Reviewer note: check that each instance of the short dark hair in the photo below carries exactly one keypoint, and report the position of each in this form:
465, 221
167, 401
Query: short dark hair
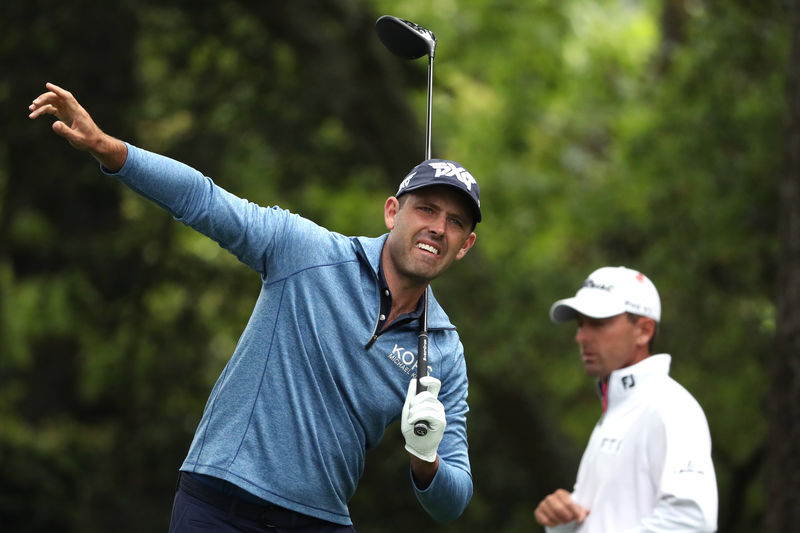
633, 317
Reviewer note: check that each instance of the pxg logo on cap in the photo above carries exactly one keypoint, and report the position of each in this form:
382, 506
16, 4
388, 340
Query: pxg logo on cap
444, 172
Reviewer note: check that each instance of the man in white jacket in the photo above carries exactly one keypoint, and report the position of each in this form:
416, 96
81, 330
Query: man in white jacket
648, 464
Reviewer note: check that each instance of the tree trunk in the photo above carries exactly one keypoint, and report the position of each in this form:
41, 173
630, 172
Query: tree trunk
783, 463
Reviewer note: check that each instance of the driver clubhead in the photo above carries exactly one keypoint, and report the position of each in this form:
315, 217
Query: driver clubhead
404, 38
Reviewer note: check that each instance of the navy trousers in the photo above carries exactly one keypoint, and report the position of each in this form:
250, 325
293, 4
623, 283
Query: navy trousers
200, 509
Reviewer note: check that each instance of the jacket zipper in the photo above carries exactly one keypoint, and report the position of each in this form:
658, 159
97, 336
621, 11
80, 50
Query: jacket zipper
375, 333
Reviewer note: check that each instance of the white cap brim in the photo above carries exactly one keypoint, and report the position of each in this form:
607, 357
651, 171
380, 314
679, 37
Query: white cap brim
591, 303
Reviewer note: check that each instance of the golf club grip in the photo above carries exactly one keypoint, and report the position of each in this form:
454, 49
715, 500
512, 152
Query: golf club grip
421, 427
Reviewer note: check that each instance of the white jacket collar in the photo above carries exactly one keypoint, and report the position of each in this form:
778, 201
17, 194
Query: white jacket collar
627, 382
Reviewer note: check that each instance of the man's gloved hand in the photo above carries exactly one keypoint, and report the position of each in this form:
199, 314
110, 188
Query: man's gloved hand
423, 406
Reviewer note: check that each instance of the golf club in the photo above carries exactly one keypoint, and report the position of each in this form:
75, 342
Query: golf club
411, 41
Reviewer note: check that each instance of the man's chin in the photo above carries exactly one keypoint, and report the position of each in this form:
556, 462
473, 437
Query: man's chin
592, 370
426, 272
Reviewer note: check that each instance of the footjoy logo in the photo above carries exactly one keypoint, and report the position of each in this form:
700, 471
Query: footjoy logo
406, 360
449, 169
628, 382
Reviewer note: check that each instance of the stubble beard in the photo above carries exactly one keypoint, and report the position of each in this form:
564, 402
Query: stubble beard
414, 269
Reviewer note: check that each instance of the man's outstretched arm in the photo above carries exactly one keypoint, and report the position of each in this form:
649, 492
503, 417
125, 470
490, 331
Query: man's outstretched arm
77, 127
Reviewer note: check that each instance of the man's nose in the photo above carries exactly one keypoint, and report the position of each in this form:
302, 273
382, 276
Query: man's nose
437, 225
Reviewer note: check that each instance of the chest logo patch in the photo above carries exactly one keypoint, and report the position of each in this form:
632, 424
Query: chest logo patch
406, 360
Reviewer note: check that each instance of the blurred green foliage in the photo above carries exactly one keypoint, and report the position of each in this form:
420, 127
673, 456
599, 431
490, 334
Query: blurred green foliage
648, 134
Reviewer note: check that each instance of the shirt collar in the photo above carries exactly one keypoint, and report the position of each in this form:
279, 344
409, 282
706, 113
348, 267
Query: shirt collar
626, 382
370, 248
386, 300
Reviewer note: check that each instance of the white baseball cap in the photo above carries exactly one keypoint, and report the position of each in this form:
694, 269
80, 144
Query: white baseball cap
610, 291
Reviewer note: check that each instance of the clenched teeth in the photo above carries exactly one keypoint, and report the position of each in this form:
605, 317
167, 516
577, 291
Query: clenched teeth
427, 248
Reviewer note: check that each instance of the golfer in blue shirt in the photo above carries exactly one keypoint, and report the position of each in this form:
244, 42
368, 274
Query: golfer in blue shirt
328, 358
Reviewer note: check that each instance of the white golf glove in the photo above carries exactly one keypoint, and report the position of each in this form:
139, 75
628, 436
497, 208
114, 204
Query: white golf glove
424, 406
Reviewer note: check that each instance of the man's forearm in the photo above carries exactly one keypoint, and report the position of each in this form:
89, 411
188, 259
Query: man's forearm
423, 471
111, 153
448, 494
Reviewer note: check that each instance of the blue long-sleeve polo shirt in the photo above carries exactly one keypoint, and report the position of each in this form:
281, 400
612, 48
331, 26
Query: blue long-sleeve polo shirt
308, 390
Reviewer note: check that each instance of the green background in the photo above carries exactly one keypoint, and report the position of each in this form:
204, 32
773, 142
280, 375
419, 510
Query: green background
645, 133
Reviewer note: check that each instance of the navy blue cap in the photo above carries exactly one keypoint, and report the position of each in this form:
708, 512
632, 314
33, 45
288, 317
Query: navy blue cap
444, 172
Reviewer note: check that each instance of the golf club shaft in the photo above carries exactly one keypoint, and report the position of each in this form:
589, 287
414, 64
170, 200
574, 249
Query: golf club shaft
430, 108
421, 427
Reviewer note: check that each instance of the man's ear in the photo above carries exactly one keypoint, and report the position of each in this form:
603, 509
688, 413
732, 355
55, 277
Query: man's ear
647, 328
390, 209
466, 246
